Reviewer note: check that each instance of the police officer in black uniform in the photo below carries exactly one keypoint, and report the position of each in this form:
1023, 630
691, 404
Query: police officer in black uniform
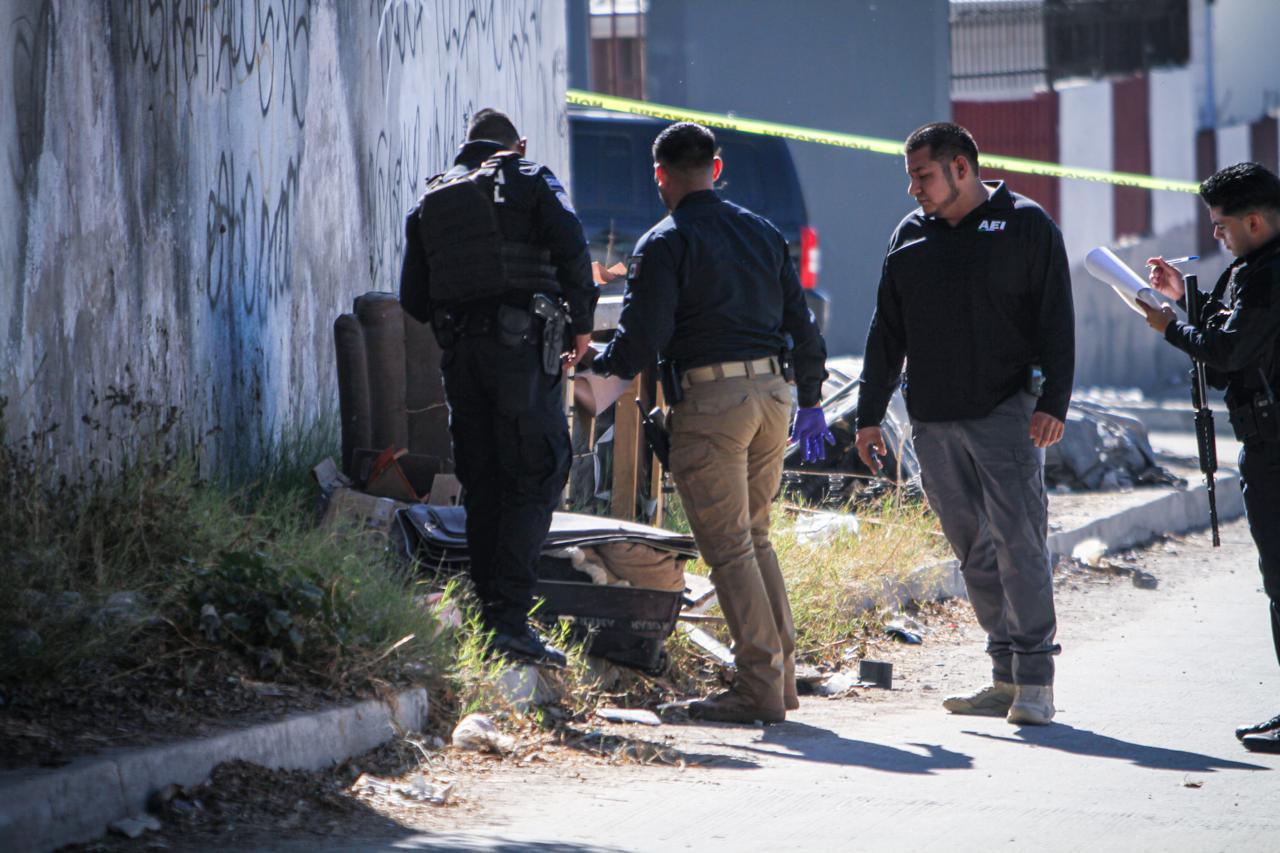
496, 261
1235, 336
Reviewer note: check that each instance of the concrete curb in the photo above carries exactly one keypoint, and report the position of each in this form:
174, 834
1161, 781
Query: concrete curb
1172, 513
45, 809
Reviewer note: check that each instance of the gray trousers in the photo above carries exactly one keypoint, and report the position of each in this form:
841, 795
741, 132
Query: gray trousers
985, 481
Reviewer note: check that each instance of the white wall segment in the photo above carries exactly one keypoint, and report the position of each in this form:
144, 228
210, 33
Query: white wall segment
1233, 146
1173, 155
1085, 133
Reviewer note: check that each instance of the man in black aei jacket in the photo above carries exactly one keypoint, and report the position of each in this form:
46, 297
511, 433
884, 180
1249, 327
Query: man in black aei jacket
975, 295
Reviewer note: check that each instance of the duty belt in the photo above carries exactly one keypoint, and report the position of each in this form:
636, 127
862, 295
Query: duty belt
730, 370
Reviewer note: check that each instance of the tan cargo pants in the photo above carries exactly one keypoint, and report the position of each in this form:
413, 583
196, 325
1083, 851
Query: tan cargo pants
727, 442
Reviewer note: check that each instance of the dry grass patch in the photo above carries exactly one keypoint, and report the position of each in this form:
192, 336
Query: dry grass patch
833, 574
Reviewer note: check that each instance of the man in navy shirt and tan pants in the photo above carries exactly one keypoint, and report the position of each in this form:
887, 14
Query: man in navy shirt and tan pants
975, 296
712, 289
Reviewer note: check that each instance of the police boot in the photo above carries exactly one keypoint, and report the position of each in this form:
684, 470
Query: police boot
527, 646
732, 706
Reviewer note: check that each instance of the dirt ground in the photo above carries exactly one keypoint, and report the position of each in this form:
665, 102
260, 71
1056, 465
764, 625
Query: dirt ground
159, 688
243, 805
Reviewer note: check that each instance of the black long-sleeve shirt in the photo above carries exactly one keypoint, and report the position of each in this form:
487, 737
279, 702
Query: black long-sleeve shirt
1246, 340
535, 209
713, 282
970, 308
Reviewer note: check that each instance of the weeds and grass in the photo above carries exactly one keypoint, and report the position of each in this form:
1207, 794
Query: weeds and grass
140, 560
831, 577
100, 562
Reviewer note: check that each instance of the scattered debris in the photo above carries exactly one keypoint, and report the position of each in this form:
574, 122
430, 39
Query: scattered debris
1103, 449
349, 510
416, 787
717, 650
816, 528
875, 673
836, 684
1089, 552
629, 715
120, 608
134, 827
478, 733
904, 629
526, 686
210, 622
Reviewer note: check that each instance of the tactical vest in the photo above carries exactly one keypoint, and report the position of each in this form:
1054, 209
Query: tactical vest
466, 253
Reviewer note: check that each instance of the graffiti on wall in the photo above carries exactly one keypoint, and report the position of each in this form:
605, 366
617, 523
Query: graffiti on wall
229, 204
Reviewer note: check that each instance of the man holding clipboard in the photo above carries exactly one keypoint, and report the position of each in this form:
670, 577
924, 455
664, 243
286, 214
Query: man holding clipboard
1235, 337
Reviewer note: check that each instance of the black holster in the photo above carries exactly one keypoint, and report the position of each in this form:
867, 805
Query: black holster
1255, 420
444, 324
554, 319
655, 433
669, 376
787, 365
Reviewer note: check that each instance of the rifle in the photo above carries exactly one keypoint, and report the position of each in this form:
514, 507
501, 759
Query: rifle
1206, 442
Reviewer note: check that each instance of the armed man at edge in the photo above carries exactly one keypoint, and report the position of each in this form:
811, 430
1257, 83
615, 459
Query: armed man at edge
1235, 337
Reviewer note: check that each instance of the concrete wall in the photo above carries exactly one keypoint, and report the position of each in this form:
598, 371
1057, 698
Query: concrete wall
859, 66
191, 191
1085, 139
1173, 153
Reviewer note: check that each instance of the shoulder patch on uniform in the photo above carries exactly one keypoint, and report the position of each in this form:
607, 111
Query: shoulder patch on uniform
633, 267
558, 188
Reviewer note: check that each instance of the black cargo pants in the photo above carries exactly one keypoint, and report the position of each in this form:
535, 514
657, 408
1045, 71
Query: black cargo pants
1260, 475
511, 453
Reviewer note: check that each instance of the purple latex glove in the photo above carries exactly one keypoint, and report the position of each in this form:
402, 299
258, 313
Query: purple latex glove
811, 433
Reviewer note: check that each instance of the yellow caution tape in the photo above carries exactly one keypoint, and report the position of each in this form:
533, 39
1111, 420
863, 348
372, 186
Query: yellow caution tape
864, 143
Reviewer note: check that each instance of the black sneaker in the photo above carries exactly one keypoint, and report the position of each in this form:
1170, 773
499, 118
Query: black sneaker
1270, 725
1264, 742
527, 646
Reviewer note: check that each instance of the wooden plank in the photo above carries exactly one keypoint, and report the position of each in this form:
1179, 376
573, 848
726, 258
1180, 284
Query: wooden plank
626, 454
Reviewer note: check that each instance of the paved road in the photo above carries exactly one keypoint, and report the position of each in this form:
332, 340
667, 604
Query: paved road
1142, 755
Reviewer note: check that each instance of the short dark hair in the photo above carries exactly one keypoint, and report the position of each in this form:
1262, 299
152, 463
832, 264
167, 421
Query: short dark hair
1242, 188
685, 146
945, 141
493, 124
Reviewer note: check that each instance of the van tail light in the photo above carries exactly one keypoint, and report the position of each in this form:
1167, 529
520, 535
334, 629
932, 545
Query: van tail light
810, 257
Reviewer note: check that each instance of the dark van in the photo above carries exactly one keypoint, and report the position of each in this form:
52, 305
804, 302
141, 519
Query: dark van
618, 202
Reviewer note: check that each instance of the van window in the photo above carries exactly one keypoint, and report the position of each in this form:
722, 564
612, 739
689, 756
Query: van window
759, 176
604, 173
742, 181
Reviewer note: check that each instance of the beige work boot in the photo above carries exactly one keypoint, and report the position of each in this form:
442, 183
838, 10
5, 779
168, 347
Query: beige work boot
991, 701
730, 706
1032, 705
